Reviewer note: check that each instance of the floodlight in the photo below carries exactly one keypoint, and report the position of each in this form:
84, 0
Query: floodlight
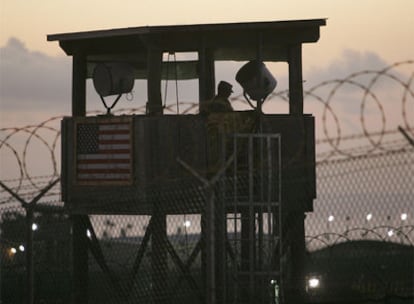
21, 248
331, 218
257, 82
13, 250
404, 216
369, 216
313, 282
187, 223
34, 227
113, 78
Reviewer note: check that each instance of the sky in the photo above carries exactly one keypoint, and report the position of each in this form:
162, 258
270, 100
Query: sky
35, 74
367, 25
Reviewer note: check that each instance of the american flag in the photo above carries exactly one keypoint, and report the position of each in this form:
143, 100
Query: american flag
103, 152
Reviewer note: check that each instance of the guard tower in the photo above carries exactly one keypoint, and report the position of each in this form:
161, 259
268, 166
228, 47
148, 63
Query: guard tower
250, 176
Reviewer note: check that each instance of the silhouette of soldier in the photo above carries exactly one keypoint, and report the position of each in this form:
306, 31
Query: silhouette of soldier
220, 103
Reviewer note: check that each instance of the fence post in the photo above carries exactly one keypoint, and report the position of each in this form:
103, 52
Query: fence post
29, 256
407, 137
80, 260
29, 207
210, 226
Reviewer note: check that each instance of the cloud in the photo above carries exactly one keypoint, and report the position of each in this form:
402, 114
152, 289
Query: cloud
349, 62
365, 93
33, 81
356, 77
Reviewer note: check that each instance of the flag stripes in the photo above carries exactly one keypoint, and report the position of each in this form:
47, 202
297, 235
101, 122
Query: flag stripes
104, 152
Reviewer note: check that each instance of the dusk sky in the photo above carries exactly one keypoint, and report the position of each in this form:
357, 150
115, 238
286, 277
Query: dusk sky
35, 74
380, 26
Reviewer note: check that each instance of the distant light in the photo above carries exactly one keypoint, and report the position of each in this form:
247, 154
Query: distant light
331, 218
187, 223
21, 248
404, 216
34, 227
369, 216
88, 233
13, 250
390, 233
314, 282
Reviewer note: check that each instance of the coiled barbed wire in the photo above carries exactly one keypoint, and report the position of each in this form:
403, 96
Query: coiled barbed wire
364, 142
367, 91
397, 234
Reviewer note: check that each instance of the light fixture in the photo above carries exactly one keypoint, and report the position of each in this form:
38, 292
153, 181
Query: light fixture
21, 248
331, 218
13, 250
187, 223
369, 216
34, 227
404, 216
88, 233
275, 286
113, 78
390, 233
313, 282
257, 82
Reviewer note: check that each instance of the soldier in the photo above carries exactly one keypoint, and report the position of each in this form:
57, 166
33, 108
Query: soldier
220, 103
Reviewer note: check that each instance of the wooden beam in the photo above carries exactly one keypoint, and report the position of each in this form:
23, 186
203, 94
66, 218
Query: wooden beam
159, 261
154, 105
206, 74
79, 237
295, 284
80, 260
79, 85
295, 79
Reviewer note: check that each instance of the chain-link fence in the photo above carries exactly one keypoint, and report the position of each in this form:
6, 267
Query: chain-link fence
360, 236
359, 242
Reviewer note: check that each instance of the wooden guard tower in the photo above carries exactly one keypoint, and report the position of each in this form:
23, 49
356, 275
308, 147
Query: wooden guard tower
255, 172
